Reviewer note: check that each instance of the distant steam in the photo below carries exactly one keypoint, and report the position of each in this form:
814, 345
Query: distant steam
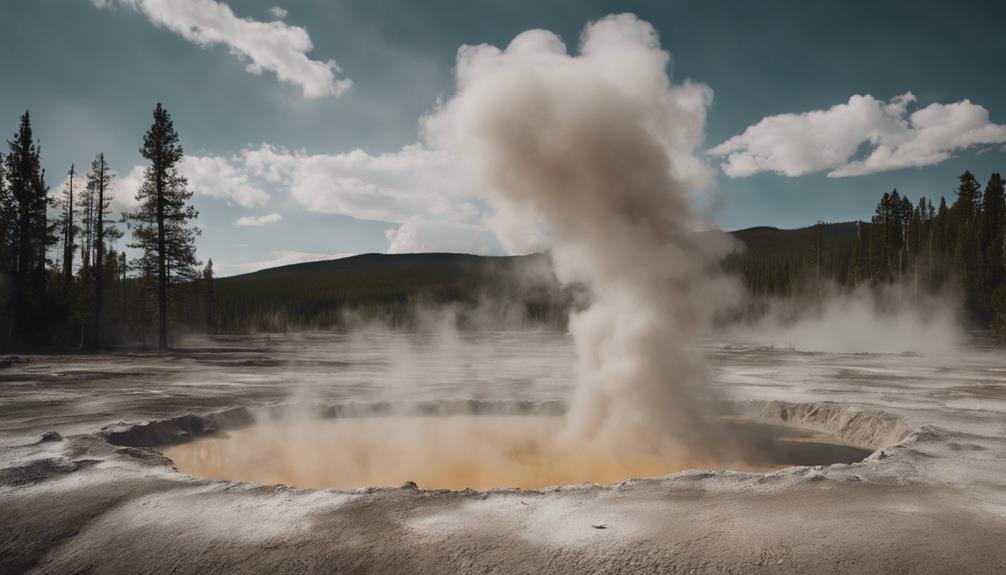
870, 319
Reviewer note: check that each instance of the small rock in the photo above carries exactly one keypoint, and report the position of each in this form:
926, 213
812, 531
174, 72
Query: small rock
410, 485
50, 436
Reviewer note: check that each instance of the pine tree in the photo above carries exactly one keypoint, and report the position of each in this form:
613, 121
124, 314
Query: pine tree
99, 181
31, 231
7, 219
967, 247
8, 213
162, 233
69, 229
209, 305
993, 235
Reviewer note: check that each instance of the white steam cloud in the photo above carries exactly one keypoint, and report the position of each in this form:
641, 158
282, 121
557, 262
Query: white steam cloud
869, 319
599, 146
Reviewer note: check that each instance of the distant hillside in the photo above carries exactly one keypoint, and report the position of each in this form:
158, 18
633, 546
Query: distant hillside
776, 262
766, 240
330, 293
388, 288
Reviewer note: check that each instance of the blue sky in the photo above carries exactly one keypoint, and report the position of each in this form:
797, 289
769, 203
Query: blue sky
302, 116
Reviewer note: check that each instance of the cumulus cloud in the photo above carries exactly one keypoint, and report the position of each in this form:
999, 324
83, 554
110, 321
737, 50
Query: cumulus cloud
393, 187
257, 221
266, 46
216, 177
211, 176
278, 12
799, 144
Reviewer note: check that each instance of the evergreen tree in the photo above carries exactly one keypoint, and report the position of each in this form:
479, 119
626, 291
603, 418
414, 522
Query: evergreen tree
8, 214
7, 220
99, 180
967, 247
162, 232
993, 235
69, 229
31, 231
209, 304
969, 196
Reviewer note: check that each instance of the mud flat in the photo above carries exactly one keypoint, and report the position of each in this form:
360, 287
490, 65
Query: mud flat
101, 497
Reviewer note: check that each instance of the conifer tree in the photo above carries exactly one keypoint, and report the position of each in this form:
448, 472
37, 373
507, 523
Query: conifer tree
31, 230
7, 219
99, 181
162, 232
967, 247
209, 305
69, 229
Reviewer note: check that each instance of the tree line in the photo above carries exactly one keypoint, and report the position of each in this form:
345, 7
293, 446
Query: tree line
922, 248
63, 279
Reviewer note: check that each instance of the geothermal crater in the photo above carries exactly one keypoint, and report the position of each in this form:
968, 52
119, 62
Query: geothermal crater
464, 450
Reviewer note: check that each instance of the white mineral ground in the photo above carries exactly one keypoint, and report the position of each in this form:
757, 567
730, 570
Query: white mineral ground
931, 499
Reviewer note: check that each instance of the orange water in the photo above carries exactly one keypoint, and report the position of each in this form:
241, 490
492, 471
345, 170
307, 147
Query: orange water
452, 452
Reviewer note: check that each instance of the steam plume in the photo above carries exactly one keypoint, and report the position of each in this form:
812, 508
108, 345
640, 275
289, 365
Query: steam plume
598, 147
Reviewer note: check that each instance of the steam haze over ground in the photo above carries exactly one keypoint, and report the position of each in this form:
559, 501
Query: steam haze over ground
866, 320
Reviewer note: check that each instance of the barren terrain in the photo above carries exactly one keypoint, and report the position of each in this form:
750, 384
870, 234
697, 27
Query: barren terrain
100, 498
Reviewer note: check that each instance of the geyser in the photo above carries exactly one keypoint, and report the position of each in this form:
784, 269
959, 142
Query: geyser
597, 149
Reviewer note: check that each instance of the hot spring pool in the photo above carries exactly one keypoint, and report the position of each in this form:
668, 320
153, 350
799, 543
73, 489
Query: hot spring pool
468, 451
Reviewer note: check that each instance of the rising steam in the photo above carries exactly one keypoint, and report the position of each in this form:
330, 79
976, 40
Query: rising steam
596, 148
593, 154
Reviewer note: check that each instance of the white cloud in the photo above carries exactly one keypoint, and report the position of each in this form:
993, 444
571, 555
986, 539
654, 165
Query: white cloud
124, 188
216, 177
211, 176
799, 144
267, 46
256, 221
278, 12
393, 187
276, 259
